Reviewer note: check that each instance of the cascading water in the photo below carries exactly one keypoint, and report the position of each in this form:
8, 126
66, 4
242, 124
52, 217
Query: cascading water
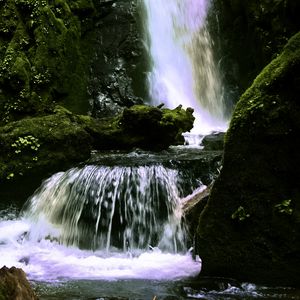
104, 222
183, 69
111, 208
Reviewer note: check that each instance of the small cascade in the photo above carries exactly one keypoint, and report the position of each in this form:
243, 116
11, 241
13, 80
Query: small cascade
183, 69
100, 207
102, 222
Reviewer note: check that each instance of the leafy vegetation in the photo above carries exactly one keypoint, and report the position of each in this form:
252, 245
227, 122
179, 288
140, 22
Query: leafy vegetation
240, 214
284, 207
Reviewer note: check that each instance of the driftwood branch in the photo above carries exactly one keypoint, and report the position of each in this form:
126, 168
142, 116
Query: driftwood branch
196, 197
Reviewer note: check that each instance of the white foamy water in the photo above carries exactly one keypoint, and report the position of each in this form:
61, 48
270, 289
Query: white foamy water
183, 69
101, 223
48, 261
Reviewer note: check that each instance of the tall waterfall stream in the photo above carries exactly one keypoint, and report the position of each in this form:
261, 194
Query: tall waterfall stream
183, 70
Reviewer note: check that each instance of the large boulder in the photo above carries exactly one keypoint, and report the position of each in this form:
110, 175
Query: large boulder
14, 285
250, 228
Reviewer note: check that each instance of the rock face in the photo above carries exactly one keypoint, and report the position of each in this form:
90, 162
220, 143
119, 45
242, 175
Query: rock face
248, 35
65, 52
14, 285
250, 229
41, 56
117, 69
214, 141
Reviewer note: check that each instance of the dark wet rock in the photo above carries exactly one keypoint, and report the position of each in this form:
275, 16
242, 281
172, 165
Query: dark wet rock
205, 284
117, 71
214, 141
247, 36
14, 285
250, 228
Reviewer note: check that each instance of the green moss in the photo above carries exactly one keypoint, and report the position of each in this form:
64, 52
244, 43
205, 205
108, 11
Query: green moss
263, 97
240, 214
42, 60
61, 139
42, 143
83, 6
284, 207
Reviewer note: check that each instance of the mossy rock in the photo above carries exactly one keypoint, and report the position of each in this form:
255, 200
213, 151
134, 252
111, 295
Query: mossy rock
250, 228
43, 57
42, 143
57, 141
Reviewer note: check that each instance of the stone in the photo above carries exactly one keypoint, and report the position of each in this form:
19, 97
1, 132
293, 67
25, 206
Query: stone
214, 141
14, 285
250, 228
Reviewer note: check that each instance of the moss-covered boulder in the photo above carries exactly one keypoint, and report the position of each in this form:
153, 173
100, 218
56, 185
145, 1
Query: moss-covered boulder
14, 285
42, 143
250, 228
59, 140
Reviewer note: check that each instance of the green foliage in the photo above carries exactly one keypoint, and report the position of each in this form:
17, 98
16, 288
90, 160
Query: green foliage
26, 142
10, 176
284, 207
240, 214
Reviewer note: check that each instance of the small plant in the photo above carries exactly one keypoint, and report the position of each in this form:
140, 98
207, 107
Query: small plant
10, 176
240, 214
284, 207
26, 142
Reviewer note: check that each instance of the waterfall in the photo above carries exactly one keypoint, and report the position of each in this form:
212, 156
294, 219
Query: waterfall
183, 69
99, 207
102, 222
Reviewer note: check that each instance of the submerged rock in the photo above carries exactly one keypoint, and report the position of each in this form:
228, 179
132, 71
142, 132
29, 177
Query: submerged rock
14, 285
250, 228
214, 141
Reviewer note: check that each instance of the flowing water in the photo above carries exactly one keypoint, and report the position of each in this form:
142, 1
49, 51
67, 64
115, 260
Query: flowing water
101, 222
183, 70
